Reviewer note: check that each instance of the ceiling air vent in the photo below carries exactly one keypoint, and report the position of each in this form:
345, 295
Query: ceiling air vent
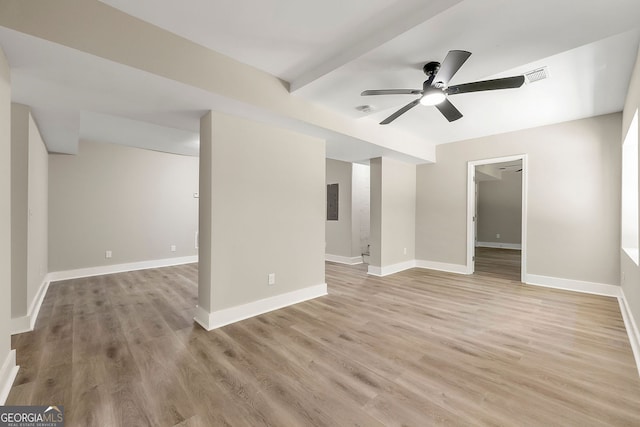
537, 74
364, 108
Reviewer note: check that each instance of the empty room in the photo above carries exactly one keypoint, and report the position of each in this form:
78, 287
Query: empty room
286, 213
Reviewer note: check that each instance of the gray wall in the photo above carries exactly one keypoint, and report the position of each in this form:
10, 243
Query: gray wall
500, 209
5, 213
569, 235
349, 236
338, 234
393, 212
29, 205
265, 190
134, 202
629, 270
375, 235
38, 201
360, 208
19, 207
398, 211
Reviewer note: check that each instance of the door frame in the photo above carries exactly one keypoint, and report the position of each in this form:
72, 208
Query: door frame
471, 203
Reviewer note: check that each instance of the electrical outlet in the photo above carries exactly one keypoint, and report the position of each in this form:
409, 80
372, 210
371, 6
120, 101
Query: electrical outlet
272, 278
405, 251
108, 254
173, 248
498, 236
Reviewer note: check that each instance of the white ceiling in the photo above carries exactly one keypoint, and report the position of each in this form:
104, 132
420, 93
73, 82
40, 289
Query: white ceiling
494, 171
329, 52
287, 38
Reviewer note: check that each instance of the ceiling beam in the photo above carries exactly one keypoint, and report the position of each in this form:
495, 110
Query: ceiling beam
97, 29
390, 23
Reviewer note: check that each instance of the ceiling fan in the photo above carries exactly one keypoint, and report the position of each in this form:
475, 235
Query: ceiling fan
435, 89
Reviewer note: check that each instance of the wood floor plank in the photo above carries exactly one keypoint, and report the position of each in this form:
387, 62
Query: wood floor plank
412, 349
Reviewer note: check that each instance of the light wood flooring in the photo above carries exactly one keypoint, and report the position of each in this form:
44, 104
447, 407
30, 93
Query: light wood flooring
417, 348
498, 263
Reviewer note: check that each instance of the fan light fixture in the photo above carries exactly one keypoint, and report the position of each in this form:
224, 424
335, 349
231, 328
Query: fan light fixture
433, 97
436, 90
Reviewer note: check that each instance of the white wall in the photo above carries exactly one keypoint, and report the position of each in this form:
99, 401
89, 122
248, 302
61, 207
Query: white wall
133, 202
338, 234
573, 198
360, 208
375, 231
629, 270
500, 209
29, 193
347, 238
393, 214
38, 201
398, 211
19, 208
7, 356
263, 211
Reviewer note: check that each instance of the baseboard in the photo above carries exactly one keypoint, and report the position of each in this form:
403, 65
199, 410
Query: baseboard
573, 285
201, 317
119, 268
498, 245
217, 319
20, 325
631, 326
391, 269
26, 323
8, 373
343, 259
374, 271
443, 266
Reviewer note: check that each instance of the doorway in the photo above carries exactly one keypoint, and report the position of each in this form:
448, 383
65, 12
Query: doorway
496, 217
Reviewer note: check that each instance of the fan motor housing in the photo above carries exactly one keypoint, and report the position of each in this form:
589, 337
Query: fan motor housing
431, 68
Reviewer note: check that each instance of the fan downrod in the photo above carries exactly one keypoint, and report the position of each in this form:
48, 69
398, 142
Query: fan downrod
435, 92
431, 68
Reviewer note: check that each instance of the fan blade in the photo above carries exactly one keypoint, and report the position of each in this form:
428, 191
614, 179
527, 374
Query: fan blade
505, 83
448, 110
400, 112
392, 92
451, 65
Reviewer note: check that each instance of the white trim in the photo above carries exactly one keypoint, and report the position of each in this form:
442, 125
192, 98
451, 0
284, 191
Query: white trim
573, 285
20, 325
471, 201
34, 310
374, 271
497, 245
633, 253
443, 266
26, 323
343, 259
430, 265
397, 268
391, 269
525, 198
119, 268
201, 317
8, 374
219, 318
631, 326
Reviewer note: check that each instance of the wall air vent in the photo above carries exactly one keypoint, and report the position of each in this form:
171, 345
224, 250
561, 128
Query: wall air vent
537, 74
